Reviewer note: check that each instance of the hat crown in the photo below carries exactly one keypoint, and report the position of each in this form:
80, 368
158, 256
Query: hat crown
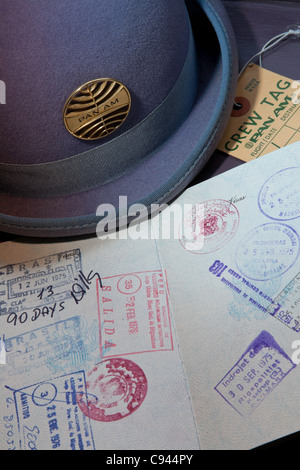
49, 49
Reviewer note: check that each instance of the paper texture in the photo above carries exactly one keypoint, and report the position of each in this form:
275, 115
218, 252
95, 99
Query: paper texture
269, 116
113, 348
156, 343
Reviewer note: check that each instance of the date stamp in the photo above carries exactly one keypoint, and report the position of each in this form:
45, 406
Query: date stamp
115, 389
22, 284
255, 375
210, 225
279, 197
48, 415
133, 314
285, 306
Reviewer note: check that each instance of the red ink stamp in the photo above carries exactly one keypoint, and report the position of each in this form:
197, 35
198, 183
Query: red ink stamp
209, 226
134, 314
115, 388
129, 284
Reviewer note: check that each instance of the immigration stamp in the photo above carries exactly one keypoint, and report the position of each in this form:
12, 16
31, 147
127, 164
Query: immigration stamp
134, 314
38, 282
129, 284
279, 197
267, 251
286, 306
49, 417
255, 375
63, 346
209, 226
115, 389
2, 350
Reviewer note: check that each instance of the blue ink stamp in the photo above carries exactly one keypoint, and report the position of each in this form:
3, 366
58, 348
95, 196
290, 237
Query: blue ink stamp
21, 284
267, 251
49, 417
254, 302
279, 197
63, 346
255, 375
285, 307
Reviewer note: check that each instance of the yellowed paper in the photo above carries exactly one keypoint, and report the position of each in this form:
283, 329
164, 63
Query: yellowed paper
267, 116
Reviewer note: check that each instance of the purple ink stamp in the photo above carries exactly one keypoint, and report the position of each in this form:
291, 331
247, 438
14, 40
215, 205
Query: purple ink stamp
267, 251
279, 197
255, 375
48, 415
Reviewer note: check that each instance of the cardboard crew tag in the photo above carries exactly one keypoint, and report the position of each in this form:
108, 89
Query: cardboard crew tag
266, 115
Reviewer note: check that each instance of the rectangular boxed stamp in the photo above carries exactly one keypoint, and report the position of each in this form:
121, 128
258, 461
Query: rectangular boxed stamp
134, 316
255, 375
49, 417
22, 284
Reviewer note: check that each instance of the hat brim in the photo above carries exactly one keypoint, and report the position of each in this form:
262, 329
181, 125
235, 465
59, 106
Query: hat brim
161, 178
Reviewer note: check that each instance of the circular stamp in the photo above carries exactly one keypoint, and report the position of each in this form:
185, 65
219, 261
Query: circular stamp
279, 198
267, 251
129, 284
44, 394
115, 388
209, 226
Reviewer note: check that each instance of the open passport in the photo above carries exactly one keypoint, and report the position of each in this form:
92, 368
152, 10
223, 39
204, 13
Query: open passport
187, 341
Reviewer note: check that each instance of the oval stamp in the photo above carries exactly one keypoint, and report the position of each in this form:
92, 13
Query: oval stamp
267, 251
209, 226
115, 388
279, 196
242, 107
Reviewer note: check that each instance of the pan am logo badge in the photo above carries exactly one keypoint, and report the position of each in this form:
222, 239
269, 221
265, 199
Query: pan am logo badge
96, 109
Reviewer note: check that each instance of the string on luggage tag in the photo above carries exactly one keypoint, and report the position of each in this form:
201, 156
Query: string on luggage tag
294, 31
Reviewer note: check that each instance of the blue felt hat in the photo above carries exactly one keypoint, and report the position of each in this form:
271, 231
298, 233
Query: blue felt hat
172, 62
